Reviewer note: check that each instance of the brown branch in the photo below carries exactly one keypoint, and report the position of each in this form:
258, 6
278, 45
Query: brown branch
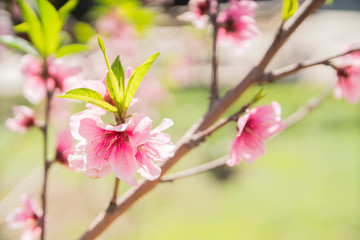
304, 110
196, 170
112, 203
256, 74
219, 107
293, 119
214, 62
47, 162
285, 71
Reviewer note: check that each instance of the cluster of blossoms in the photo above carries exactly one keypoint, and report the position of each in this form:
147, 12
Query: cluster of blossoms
348, 78
236, 24
60, 77
27, 217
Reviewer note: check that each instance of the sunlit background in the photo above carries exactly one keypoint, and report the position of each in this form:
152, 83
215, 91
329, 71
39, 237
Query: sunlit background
307, 186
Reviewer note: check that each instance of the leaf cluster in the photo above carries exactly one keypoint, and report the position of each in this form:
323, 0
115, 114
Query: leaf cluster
115, 84
44, 30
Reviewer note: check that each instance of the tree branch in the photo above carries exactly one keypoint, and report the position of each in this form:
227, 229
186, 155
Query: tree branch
219, 107
288, 70
256, 74
196, 170
293, 119
304, 110
47, 162
214, 63
112, 203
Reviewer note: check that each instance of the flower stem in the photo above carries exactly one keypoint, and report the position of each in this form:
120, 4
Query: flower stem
47, 163
112, 203
214, 62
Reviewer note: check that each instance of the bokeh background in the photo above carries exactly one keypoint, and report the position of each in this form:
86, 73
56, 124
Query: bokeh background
307, 186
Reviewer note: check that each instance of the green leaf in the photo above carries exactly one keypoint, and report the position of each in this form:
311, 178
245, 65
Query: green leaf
114, 85
66, 9
118, 71
71, 49
89, 96
51, 25
135, 79
35, 32
83, 32
329, 2
258, 96
18, 44
22, 28
289, 8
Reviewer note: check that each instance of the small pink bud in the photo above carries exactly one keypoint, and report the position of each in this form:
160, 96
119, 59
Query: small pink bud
23, 120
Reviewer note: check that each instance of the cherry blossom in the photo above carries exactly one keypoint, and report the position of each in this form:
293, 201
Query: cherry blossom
28, 217
237, 24
348, 78
104, 146
61, 77
63, 147
158, 148
23, 120
254, 128
199, 12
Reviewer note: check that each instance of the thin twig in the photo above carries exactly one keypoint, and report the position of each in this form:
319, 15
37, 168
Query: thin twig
104, 219
285, 71
293, 119
196, 170
47, 163
214, 63
304, 110
112, 203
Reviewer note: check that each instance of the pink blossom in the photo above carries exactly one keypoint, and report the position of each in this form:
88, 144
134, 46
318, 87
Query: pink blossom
254, 129
237, 23
103, 145
60, 77
23, 120
348, 78
199, 12
63, 147
28, 217
126, 148
158, 148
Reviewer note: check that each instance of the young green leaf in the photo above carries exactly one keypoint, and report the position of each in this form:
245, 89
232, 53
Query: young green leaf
289, 8
114, 87
66, 9
51, 25
35, 32
89, 96
135, 79
83, 32
329, 2
71, 49
18, 44
22, 28
118, 71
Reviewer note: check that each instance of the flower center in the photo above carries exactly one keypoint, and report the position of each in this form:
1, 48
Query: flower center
229, 24
112, 140
203, 6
